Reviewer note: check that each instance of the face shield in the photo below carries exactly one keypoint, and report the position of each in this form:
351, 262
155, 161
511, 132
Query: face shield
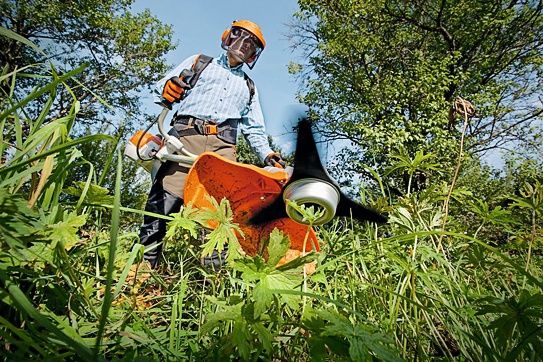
243, 45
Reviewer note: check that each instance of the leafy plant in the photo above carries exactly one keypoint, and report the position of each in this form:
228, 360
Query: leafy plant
254, 317
420, 163
517, 326
355, 341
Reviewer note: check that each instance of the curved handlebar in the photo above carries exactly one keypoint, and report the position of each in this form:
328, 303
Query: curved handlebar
173, 144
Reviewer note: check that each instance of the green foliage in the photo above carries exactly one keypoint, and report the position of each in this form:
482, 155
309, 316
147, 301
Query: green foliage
18, 223
423, 286
124, 53
518, 321
385, 73
65, 232
358, 342
183, 220
420, 163
531, 198
224, 232
90, 194
309, 214
245, 154
255, 325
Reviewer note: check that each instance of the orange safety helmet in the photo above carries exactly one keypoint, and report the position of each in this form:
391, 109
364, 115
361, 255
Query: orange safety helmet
252, 28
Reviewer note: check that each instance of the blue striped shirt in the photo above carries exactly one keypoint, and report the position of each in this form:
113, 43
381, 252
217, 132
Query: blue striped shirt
222, 93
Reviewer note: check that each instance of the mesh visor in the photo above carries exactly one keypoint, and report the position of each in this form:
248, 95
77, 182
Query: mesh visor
244, 45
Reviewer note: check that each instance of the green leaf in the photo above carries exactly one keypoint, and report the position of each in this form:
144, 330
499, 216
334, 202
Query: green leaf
56, 149
224, 233
264, 335
180, 223
235, 251
310, 214
277, 247
37, 93
251, 269
18, 223
241, 338
363, 339
263, 297
24, 305
65, 232
278, 280
95, 194
227, 313
358, 351
113, 237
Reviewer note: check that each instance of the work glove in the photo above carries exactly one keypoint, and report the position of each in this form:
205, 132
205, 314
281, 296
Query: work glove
174, 89
274, 160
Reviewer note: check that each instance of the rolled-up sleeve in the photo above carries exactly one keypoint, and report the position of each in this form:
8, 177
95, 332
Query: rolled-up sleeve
253, 128
159, 86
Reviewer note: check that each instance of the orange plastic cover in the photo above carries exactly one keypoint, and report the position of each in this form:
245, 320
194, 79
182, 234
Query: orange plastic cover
146, 137
249, 189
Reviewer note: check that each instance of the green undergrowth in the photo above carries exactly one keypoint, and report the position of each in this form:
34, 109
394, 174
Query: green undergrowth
466, 285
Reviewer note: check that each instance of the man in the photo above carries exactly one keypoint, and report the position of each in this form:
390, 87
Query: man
207, 118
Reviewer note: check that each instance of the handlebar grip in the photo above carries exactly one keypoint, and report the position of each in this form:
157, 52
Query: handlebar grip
278, 165
166, 104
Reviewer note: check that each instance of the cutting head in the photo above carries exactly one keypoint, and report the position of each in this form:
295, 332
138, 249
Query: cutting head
311, 185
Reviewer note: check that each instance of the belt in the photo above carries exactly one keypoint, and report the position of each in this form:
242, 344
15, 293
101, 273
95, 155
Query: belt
201, 126
226, 131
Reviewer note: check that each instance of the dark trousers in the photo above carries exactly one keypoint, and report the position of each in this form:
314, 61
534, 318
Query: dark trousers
153, 229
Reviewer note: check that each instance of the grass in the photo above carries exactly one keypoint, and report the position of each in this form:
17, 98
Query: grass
412, 289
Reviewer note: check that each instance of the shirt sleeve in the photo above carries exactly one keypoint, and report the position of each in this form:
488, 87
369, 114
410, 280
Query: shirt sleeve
253, 128
159, 86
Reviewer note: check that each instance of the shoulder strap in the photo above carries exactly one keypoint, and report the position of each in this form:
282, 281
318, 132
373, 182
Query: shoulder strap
251, 86
200, 63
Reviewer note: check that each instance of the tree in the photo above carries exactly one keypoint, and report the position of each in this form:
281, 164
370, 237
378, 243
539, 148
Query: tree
386, 73
124, 52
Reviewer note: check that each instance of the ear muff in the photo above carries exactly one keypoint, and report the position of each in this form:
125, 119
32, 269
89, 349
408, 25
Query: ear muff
225, 34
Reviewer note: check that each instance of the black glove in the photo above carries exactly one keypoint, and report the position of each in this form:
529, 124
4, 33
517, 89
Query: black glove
274, 159
174, 90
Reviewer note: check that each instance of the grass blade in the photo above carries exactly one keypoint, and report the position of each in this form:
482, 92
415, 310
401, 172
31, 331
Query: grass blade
24, 305
126, 270
57, 149
39, 92
21, 39
115, 216
27, 339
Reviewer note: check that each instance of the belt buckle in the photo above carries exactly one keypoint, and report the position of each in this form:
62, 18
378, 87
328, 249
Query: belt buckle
210, 128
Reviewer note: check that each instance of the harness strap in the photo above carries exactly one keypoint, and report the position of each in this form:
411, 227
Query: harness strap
226, 131
187, 132
200, 63
251, 86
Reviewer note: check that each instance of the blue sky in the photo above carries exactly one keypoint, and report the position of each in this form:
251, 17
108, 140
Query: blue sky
198, 26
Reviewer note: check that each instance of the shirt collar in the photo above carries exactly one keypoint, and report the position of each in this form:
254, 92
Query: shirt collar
223, 60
